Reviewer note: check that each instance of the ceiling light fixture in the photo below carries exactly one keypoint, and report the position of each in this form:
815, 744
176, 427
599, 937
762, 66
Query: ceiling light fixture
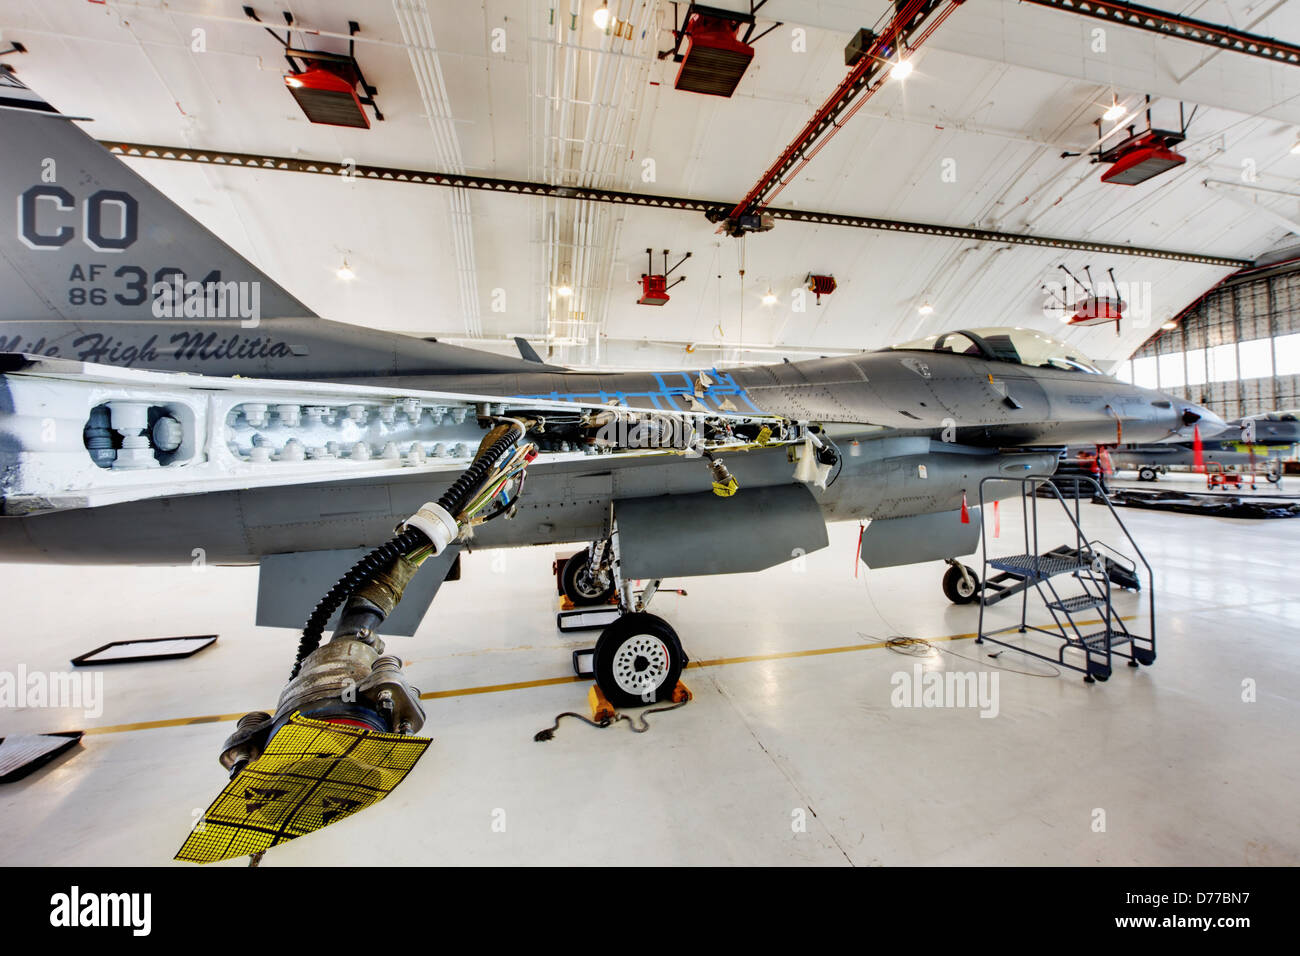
926, 309
1114, 111
601, 16
902, 70
564, 291
1170, 325
1295, 147
345, 272
770, 297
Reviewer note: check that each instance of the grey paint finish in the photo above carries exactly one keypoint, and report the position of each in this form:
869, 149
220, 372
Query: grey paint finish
891, 542
139, 229
563, 503
289, 585
747, 532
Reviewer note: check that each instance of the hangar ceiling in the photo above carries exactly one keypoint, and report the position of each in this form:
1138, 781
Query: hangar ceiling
973, 137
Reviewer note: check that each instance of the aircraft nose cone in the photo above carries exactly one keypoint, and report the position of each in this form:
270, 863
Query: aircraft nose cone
1199, 416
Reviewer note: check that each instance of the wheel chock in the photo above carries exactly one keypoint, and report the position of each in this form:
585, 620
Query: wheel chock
601, 709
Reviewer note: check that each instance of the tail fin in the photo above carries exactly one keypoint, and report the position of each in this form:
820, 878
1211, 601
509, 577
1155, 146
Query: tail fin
83, 238
98, 265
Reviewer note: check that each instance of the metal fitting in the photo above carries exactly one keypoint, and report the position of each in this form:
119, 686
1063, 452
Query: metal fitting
247, 743
387, 688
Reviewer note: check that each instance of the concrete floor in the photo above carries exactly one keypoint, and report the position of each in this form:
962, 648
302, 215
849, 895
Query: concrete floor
1185, 771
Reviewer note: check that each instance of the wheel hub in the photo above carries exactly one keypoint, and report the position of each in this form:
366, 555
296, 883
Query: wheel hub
640, 664
589, 584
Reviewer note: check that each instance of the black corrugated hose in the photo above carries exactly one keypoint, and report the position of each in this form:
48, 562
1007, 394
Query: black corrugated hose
453, 500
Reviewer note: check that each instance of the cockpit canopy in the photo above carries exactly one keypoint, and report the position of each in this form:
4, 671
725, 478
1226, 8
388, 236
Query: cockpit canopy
1021, 346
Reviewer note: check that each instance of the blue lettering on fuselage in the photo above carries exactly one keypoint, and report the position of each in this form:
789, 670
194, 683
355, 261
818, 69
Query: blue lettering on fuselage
669, 397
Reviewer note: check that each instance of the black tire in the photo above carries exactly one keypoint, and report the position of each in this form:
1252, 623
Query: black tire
638, 660
956, 589
1273, 477
580, 590
1146, 474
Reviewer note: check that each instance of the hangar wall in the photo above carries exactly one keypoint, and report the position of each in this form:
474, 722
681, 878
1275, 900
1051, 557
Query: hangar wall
1237, 350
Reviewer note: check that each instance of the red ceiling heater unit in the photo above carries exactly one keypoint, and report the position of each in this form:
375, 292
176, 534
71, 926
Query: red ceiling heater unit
329, 87
655, 285
1091, 308
327, 98
713, 58
1140, 157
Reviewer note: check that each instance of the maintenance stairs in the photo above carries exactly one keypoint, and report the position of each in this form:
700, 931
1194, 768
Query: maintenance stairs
1074, 582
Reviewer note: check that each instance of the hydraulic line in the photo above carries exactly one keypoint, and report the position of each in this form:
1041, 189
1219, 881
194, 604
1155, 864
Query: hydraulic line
454, 500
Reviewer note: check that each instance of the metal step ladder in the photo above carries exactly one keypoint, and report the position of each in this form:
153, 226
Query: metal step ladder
1074, 582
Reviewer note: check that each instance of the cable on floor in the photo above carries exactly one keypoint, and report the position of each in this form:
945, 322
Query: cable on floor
900, 644
908, 645
549, 732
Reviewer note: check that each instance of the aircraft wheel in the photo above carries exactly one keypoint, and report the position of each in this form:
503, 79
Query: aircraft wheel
581, 586
1146, 474
956, 589
638, 660
1273, 478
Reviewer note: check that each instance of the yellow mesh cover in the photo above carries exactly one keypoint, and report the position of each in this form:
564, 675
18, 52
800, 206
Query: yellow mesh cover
312, 774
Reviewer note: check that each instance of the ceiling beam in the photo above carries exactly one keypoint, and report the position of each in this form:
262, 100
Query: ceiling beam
718, 208
1184, 28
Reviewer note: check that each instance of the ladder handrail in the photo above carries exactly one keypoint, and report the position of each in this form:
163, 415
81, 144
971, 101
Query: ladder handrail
1039, 480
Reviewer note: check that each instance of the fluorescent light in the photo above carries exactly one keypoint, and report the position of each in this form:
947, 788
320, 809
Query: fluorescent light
345, 272
601, 16
563, 291
926, 309
770, 297
902, 70
1114, 111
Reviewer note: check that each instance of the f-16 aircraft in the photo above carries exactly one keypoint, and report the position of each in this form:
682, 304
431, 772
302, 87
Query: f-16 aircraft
1256, 441
161, 397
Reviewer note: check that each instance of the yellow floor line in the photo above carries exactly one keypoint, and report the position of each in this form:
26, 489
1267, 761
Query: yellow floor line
548, 681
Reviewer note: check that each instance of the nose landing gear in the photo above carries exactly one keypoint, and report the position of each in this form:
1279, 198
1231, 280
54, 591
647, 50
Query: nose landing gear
960, 585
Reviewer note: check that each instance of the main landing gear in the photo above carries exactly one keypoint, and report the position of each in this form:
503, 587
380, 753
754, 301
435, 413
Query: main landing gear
588, 577
638, 658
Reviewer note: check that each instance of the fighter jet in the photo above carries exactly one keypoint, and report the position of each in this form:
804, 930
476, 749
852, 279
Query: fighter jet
161, 398
1261, 442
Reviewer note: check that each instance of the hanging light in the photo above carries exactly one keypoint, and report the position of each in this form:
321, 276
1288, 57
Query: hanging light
1170, 325
601, 16
564, 291
770, 297
902, 70
1295, 147
345, 272
926, 309
1114, 111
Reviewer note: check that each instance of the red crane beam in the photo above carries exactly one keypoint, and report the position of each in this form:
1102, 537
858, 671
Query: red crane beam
859, 85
